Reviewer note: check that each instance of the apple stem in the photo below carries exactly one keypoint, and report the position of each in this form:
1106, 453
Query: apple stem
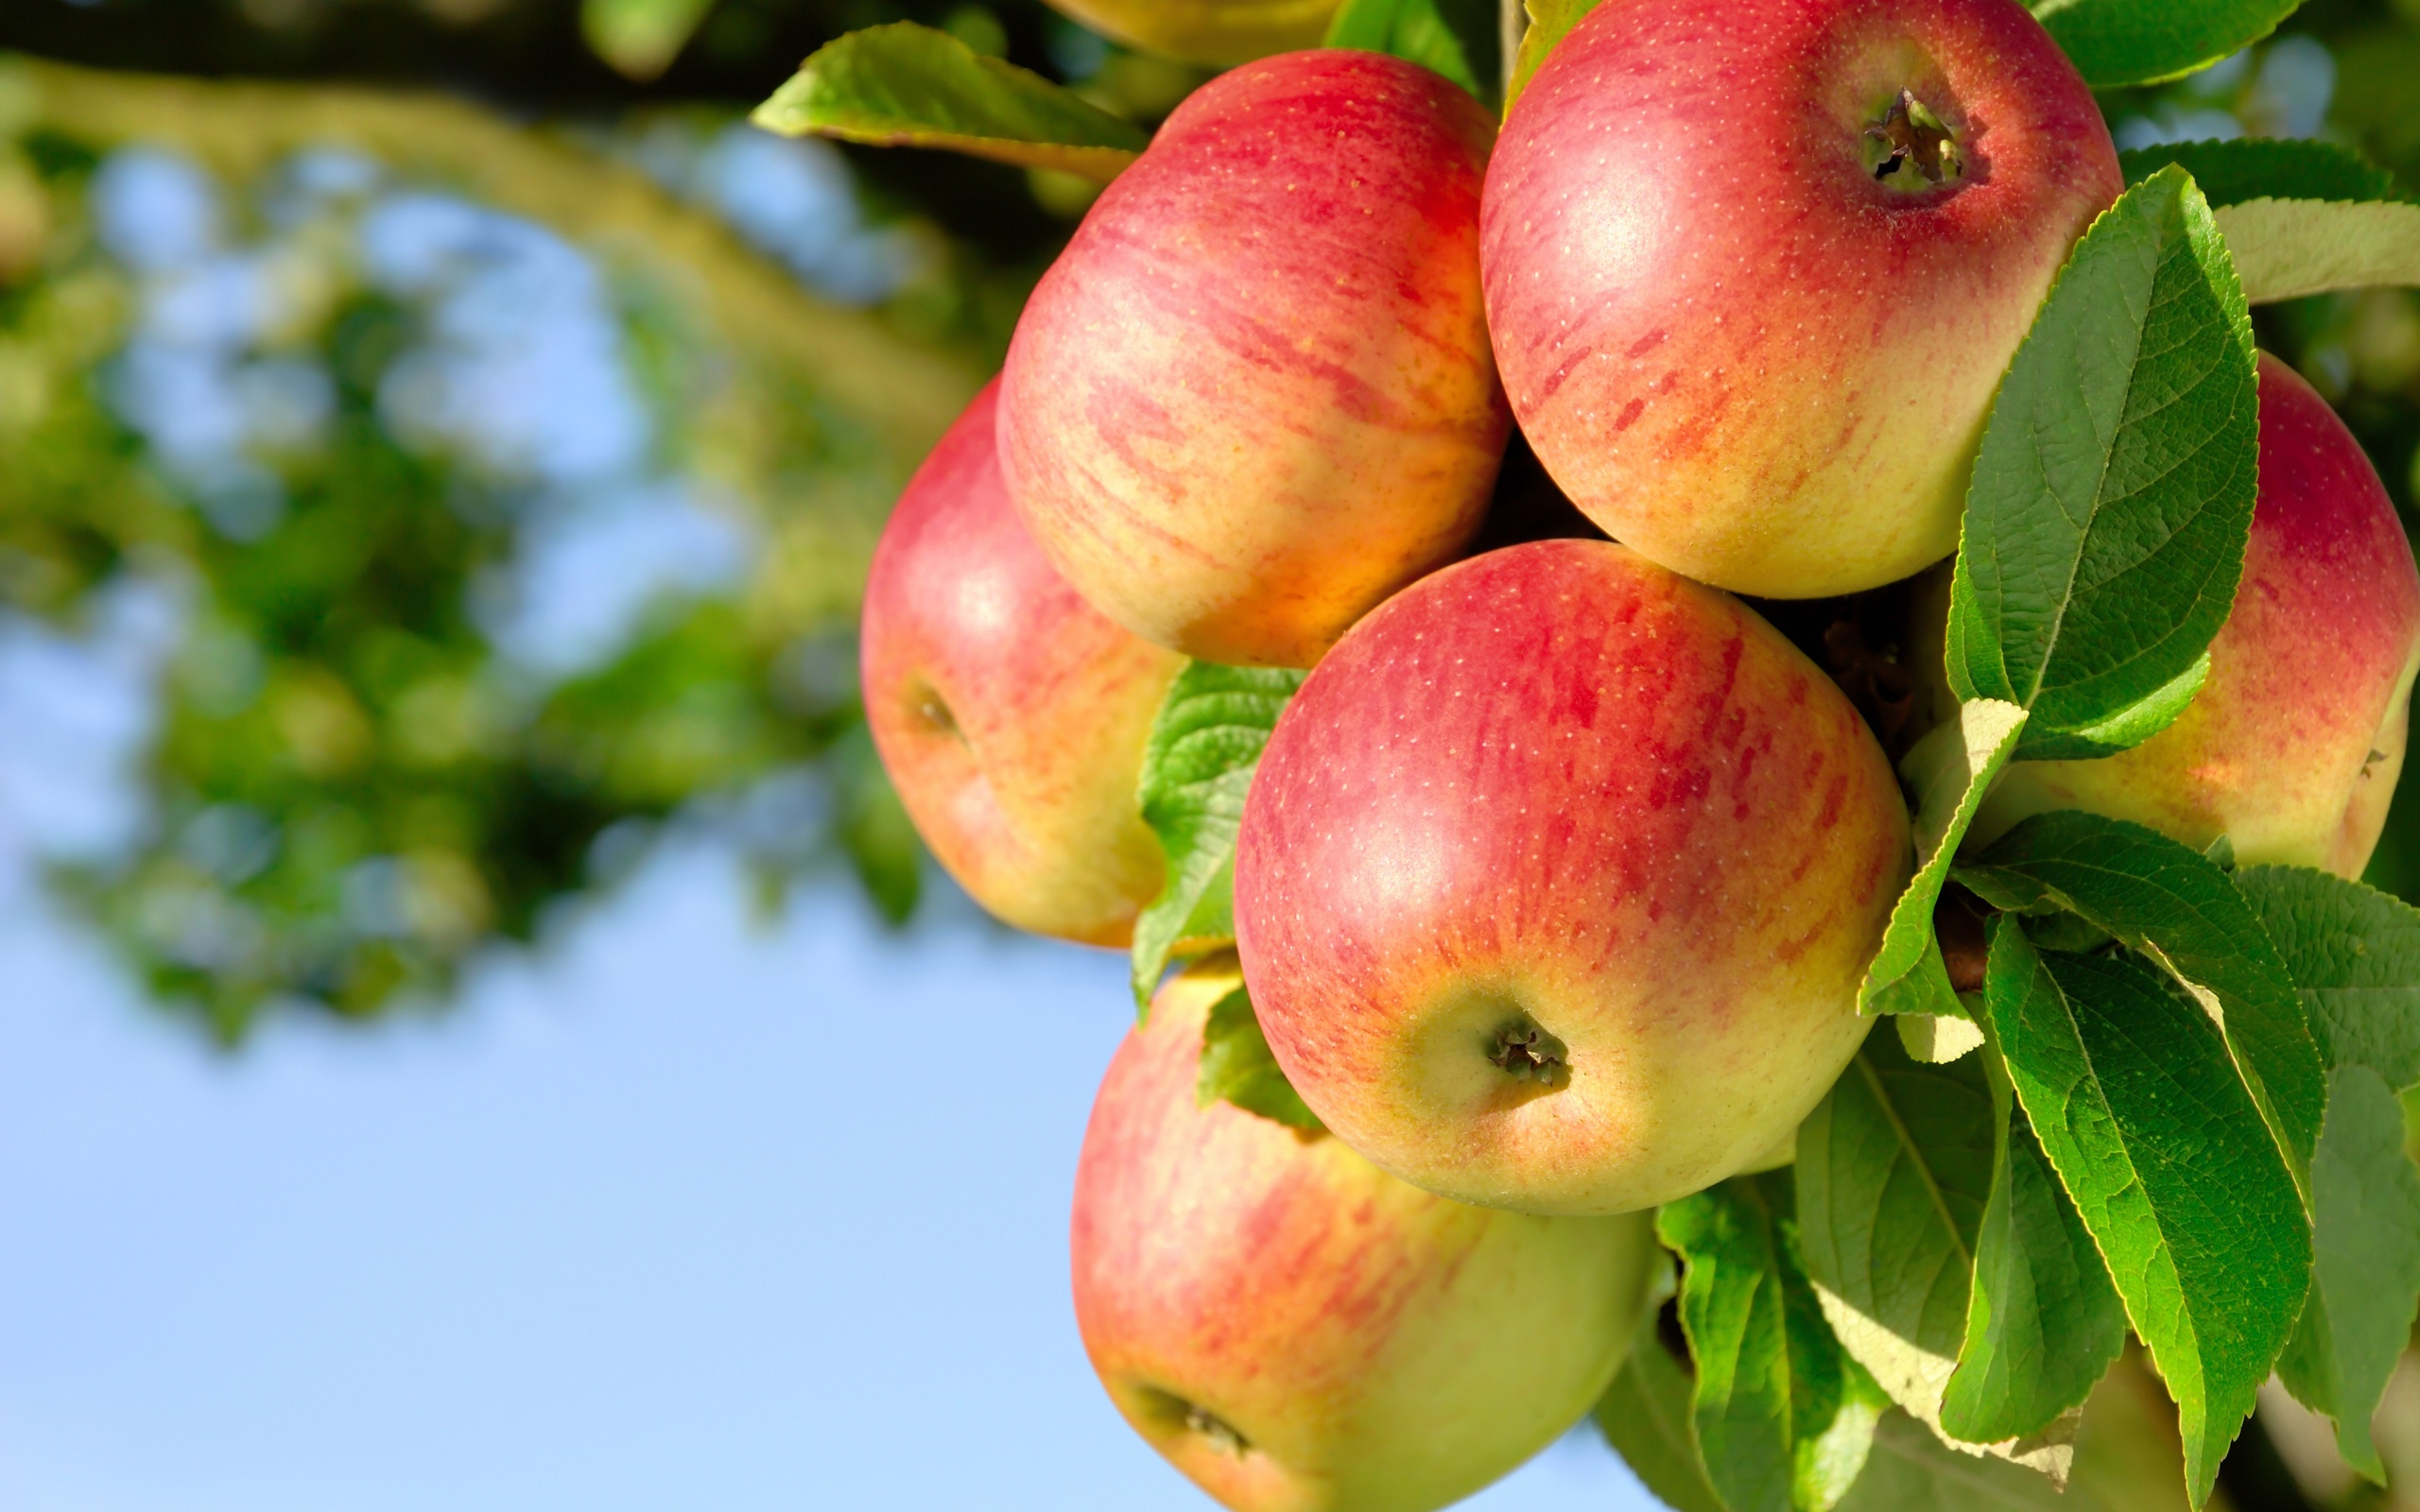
1528, 1053
1909, 133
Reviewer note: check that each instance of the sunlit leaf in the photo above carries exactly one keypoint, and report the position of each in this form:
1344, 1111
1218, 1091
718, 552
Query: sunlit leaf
2105, 528
1784, 1415
2043, 1322
1197, 767
906, 85
2289, 248
2143, 42
2178, 908
1951, 770
2138, 1106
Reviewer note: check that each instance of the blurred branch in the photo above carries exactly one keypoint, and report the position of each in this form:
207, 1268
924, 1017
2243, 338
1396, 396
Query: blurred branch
906, 394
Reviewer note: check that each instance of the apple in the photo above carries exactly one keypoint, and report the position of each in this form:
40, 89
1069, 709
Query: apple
1294, 1329
1010, 714
1557, 880
1253, 397
1755, 268
2292, 746
1206, 31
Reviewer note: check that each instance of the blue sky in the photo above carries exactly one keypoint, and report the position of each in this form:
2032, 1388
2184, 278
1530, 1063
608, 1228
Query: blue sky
684, 1214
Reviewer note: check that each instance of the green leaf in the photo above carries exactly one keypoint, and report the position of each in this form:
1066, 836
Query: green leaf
906, 85
1644, 1415
2256, 167
1460, 39
1237, 1067
1551, 21
1911, 1471
1783, 1413
2288, 249
1197, 767
2365, 1276
1950, 769
2104, 528
2043, 1322
640, 38
2116, 43
1892, 1169
2354, 953
2131, 1090
2171, 902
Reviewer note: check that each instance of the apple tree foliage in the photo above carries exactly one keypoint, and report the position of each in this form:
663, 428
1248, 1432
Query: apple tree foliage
353, 784
2166, 1110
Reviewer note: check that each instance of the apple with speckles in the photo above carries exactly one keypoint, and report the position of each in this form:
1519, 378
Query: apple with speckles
1557, 880
1254, 395
1755, 268
2292, 746
1010, 715
1299, 1331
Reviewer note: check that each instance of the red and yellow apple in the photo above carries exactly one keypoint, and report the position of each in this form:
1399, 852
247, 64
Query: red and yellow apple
1255, 397
1207, 31
1755, 268
1557, 880
2293, 745
1299, 1331
1010, 715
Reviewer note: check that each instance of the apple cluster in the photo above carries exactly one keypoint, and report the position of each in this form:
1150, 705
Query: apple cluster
1557, 880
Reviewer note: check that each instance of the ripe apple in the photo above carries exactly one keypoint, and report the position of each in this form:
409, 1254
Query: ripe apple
1296, 1329
1755, 268
1010, 715
1253, 397
1207, 31
2292, 746
1557, 880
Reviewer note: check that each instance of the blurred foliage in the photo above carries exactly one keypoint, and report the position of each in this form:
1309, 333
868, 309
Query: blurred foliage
356, 778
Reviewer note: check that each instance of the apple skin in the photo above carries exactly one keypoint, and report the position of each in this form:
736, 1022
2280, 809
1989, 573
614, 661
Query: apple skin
1206, 31
1254, 396
1732, 346
2293, 745
1375, 1348
1559, 786
1010, 715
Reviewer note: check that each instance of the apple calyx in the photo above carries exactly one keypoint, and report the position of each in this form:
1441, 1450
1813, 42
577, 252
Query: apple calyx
1528, 1052
934, 712
1219, 1434
1913, 149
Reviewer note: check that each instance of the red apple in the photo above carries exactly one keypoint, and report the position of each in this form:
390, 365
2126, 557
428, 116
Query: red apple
1010, 715
2292, 746
1253, 397
1296, 1329
1557, 880
1755, 268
